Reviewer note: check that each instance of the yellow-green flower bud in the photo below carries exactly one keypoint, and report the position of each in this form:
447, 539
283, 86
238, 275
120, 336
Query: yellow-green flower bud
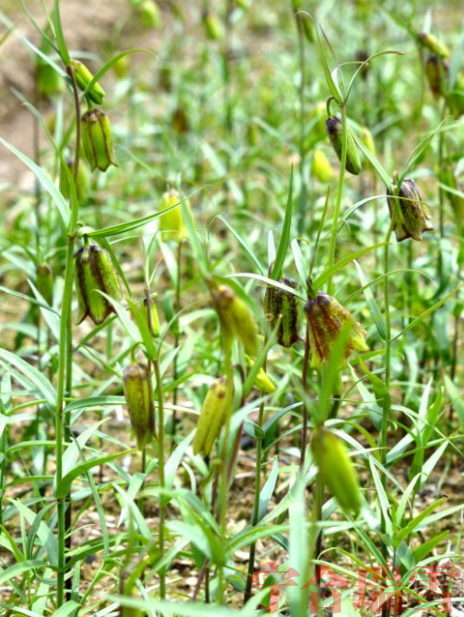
138, 392
44, 282
436, 71
326, 319
336, 469
433, 44
49, 82
97, 140
262, 380
213, 26
153, 323
83, 78
172, 223
121, 67
321, 167
283, 307
334, 131
237, 320
82, 183
306, 24
214, 411
368, 141
94, 273
408, 212
150, 14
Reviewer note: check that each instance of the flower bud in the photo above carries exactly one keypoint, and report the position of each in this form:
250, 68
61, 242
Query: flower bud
408, 212
262, 380
49, 82
433, 44
150, 14
172, 223
334, 131
153, 322
165, 78
306, 24
180, 121
138, 392
436, 71
44, 282
213, 26
237, 320
321, 167
361, 56
82, 183
336, 469
368, 141
326, 319
83, 78
98, 140
283, 307
121, 67
214, 411
95, 273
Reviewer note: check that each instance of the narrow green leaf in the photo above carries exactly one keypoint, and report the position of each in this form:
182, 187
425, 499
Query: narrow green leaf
33, 375
47, 183
60, 36
285, 237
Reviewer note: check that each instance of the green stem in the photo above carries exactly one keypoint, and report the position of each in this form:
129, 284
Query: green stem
386, 410
177, 337
65, 364
223, 492
301, 148
162, 483
254, 518
341, 179
304, 379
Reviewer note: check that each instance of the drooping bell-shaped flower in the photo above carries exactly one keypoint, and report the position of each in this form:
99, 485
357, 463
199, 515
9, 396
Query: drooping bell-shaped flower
409, 214
326, 319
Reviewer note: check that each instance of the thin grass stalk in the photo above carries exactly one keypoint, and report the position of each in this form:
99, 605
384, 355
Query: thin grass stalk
255, 514
224, 479
301, 148
304, 380
383, 441
161, 471
336, 216
65, 361
177, 338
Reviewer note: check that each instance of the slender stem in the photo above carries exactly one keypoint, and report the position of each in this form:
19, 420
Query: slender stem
223, 491
254, 518
302, 62
226, 68
385, 408
341, 179
177, 337
162, 506
65, 365
304, 379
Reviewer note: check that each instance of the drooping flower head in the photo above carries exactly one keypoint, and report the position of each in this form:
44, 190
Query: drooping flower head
326, 319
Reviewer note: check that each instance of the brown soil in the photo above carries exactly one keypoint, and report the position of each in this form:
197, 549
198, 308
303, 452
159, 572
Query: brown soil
88, 28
